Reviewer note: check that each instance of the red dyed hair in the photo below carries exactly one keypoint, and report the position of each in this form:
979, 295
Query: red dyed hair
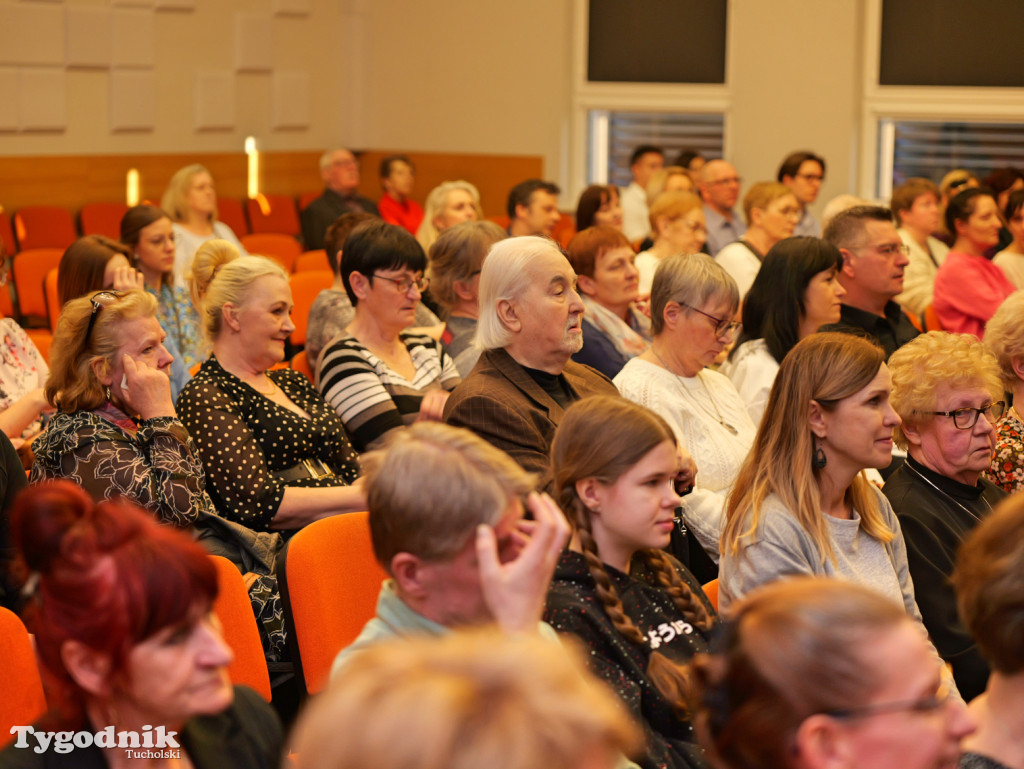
109, 576
588, 245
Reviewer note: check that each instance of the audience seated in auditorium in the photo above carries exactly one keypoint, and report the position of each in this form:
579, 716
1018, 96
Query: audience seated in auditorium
693, 308
916, 206
599, 207
645, 160
533, 208
376, 375
796, 292
541, 709
838, 204
332, 311
340, 172
276, 455
968, 287
988, 576
669, 179
719, 186
448, 204
952, 184
122, 615
947, 392
529, 327
148, 232
874, 259
678, 226
772, 212
614, 329
191, 201
640, 614
1004, 338
1003, 182
446, 520
804, 172
1011, 259
397, 178
823, 674
691, 160
96, 262
454, 266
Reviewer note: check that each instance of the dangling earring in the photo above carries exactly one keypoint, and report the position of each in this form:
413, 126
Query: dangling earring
820, 460
107, 390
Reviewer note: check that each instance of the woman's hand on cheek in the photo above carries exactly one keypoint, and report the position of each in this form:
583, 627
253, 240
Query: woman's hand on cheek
128, 279
145, 390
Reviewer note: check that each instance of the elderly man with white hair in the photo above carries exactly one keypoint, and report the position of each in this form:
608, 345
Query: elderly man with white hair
530, 325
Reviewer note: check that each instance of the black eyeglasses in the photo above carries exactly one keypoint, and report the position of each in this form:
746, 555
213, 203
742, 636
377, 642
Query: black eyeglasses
929, 704
100, 300
723, 326
966, 418
405, 283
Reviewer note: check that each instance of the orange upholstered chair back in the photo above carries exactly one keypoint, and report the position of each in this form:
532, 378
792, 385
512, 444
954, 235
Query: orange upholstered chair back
44, 227
331, 581
234, 611
102, 219
23, 701
305, 287
282, 248
273, 213
30, 269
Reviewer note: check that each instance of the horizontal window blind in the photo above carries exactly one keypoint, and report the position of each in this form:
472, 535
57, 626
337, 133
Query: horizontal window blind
932, 149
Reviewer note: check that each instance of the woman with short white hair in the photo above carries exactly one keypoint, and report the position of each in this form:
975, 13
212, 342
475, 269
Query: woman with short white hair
448, 204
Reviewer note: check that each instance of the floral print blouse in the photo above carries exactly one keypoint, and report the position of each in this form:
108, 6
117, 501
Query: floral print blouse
23, 368
245, 438
179, 319
1007, 468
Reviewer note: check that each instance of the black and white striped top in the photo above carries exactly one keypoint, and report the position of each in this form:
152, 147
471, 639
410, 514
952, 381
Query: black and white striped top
372, 398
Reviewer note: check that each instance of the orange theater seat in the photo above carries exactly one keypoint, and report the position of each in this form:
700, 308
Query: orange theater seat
301, 364
273, 213
282, 248
7, 233
102, 219
44, 227
329, 581
234, 611
312, 260
53, 307
564, 230
305, 288
23, 701
931, 319
308, 197
230, 212
711, 591
30, 269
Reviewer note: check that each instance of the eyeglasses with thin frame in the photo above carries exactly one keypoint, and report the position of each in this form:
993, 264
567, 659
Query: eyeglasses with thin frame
723, 326
966, 418
812, 177
929, 704
404, 283
887, 249
726, 180
100, 300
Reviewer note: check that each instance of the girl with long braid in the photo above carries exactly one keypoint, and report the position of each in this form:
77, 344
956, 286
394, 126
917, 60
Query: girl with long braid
641, 614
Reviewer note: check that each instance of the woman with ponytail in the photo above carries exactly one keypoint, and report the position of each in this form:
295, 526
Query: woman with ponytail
121, 608
642, 615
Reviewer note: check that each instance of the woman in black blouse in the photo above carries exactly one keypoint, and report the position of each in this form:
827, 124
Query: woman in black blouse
276, 455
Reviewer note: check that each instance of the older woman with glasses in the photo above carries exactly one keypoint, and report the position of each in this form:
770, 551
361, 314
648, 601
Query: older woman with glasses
693, 303
947, 392
377, 376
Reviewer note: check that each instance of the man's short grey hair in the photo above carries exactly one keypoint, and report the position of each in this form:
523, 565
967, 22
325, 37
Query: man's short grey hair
506, 275
690, 279
325, 159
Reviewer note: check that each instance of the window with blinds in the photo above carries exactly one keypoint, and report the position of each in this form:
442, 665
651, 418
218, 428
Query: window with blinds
615, 134
931, 149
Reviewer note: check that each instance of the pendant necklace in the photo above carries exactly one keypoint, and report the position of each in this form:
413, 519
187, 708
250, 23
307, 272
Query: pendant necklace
717, 416
946, 494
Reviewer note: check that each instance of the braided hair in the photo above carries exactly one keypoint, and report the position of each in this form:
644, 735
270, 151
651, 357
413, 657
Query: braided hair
602, 437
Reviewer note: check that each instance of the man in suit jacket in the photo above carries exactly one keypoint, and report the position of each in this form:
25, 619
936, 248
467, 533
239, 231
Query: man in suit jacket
530, 325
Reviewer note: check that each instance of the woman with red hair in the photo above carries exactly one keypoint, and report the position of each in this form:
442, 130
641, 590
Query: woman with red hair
121, 608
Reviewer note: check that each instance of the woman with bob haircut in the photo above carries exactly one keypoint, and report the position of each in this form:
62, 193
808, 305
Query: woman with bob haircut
463, 701
191, 201
772, 212
801, 504
454, 265
947, 392
614, 329
824, 674
121, 609
639, 613
968, 287
276, 456
693, 304
377, 376
1011, 259
989, 571
448, 204
1004, 338
795, 293
149, 233
599, 206
678, 227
